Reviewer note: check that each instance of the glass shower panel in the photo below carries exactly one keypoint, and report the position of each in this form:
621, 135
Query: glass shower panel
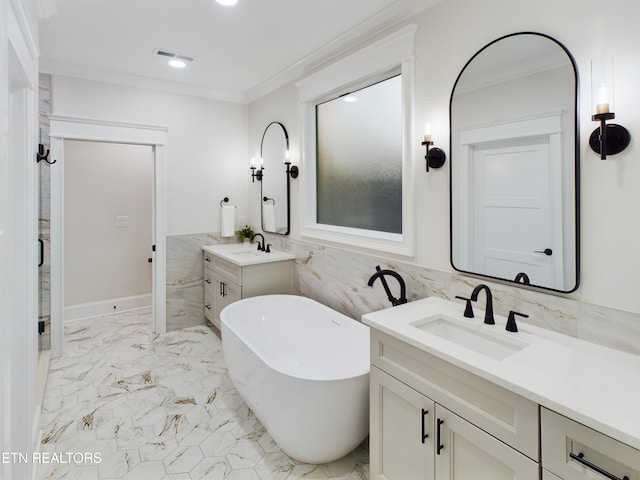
359, 158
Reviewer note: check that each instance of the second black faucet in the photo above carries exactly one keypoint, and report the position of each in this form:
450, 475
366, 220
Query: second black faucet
260, 245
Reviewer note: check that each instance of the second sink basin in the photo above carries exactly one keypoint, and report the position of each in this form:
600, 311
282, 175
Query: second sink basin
473, 337
246, 253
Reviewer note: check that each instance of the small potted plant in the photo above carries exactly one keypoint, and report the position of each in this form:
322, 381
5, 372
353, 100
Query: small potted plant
245, 234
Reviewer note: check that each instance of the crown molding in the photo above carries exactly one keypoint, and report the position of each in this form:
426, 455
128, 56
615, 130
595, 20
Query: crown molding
126, 79
390, 16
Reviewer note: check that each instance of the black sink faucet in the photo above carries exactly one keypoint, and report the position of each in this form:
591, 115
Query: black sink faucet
260, 245
403, 288
488, 313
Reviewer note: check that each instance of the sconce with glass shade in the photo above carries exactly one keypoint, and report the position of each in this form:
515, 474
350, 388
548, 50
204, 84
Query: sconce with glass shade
292, 170
256, 174
608, 139
435, 157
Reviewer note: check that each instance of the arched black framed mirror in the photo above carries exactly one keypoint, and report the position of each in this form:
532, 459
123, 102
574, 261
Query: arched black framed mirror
274, 198
514, 153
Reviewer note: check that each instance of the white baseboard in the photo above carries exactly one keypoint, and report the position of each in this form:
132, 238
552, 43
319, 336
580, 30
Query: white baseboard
105, 307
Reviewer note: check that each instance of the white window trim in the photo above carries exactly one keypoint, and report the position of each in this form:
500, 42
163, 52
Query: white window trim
384, 55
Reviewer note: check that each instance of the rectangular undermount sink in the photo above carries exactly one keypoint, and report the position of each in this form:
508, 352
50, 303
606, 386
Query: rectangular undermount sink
473, 337
246, 253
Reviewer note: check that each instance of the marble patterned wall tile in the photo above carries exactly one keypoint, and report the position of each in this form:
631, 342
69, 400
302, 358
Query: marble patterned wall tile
615, 328
338, 278
185, 293
185, 275
44, 214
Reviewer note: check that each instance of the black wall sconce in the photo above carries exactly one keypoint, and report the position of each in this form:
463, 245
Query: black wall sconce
292, 170
256, 174
435, 157
608, 139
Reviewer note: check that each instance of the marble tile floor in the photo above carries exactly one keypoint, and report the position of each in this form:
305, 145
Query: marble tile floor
124, 403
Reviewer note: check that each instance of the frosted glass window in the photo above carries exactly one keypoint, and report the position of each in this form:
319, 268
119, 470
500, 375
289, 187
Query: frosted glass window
359, 158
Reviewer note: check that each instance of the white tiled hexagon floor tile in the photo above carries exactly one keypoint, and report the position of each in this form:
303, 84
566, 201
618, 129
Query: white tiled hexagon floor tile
158, 407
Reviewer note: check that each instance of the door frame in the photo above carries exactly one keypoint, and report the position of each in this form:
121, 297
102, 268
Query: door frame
19, 405
71, 128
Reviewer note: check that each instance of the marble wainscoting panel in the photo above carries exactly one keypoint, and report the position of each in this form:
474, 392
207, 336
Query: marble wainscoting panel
185, 275
44, 208
607, 326
338, 279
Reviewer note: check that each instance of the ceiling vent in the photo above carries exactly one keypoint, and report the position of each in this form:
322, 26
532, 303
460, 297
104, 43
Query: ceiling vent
177, 56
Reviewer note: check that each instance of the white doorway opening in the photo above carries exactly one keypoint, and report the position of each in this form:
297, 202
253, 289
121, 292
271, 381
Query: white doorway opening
108, 212
67, 128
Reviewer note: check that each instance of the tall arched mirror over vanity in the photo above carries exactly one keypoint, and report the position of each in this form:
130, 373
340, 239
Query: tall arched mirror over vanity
274, 198
514, 163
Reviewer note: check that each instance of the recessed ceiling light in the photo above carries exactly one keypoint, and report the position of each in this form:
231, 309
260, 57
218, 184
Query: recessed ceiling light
349, 98
177, 63
176, 60
227, 3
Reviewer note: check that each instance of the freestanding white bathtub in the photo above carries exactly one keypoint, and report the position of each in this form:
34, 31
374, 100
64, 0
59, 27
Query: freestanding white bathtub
303, 369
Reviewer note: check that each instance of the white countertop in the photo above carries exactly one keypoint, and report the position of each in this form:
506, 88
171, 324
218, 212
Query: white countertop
243, 254
594, 385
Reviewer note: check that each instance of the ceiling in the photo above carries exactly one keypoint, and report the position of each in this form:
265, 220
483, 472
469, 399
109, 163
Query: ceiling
240, 52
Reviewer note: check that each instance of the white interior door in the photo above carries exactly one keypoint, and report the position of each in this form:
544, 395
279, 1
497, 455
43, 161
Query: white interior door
512, 198
511, 208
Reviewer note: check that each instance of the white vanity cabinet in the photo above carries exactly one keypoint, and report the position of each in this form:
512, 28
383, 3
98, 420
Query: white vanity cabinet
229, 277
401, 430
432, 420
548, 407
573, 451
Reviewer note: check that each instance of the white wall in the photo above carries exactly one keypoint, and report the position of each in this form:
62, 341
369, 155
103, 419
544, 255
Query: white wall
448, 35
206, 154
102, 260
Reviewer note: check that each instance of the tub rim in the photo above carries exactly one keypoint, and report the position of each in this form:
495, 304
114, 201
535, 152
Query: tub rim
363, 371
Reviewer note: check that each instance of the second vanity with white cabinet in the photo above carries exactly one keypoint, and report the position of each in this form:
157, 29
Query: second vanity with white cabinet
452, 398
236, 271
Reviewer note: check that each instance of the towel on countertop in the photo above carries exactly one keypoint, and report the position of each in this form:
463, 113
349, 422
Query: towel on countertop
268, 218
228, 221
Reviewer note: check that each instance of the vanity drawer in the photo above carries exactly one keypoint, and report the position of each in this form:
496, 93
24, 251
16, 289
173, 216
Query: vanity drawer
208, 260
505, 415
563, 438
209, 305
208, 278
227, 269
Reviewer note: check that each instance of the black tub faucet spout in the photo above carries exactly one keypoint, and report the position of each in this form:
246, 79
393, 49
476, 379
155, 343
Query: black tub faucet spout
403, 288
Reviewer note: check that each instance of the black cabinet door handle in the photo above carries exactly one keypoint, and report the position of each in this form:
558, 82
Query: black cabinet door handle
439, 445
425, 435
580, 459
41, 262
